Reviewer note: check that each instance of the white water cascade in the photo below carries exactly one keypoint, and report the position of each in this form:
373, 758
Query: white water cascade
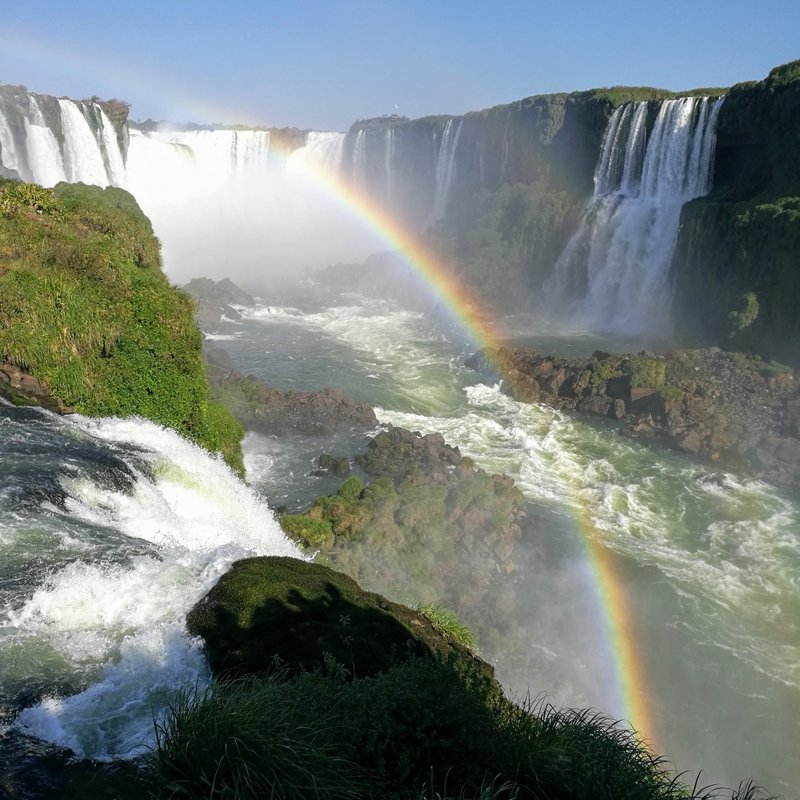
445, 168
45, 159
614, 273
83, 159
388, 163
360, 159
47, 141
147, 523
233, 203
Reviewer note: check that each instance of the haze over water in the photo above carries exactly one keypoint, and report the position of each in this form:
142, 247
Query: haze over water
710, 559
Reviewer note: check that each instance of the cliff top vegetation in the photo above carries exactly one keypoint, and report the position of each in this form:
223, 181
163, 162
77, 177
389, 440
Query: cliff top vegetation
87, 310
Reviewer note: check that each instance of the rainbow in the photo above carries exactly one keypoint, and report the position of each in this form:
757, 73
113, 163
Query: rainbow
465, 308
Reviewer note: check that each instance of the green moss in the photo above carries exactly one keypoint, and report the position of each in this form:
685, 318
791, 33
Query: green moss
87, 309
645, 372
300, 615
672, 393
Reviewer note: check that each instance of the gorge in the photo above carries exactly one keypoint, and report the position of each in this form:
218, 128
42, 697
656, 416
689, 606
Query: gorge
561, 212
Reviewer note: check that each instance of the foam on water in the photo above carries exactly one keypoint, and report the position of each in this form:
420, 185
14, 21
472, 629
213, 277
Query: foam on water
727, 543
393, 346
118, 623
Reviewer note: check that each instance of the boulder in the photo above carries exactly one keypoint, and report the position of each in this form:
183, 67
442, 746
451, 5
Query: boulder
278, 612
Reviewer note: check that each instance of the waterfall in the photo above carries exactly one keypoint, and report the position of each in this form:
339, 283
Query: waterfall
322, 148
8, 147
445, 169
614, 272
45, 160
388, 163
47, 141
360, 159
83, 160
115, 162
223, 151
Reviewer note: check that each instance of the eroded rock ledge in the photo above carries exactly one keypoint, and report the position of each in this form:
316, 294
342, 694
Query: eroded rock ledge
727, 407
22, 389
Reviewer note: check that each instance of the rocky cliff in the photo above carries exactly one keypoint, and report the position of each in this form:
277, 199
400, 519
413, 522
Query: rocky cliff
735, 269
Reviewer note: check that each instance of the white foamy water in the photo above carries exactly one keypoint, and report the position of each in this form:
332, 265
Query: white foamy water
730, 544
389, 345
116, 625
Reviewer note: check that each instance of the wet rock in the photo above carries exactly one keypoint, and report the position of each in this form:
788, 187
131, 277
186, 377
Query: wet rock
21, 388
617, 410
396, 452
726, 407
333, 465
213, 300
31, 769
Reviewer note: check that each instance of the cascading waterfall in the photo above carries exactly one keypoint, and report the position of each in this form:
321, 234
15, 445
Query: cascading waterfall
388, 163
322, 148
222, 151
445, 168
8, 148
360, 159
614, 272
45, 159
110, 530
83, 159
47, 141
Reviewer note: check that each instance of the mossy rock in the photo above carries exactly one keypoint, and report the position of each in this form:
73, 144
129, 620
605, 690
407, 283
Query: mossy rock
271, 611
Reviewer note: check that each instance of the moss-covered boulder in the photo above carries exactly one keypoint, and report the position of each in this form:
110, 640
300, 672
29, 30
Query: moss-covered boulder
430, 527
86, 310
273, 612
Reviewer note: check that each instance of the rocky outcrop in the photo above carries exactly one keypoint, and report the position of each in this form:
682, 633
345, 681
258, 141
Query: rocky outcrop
277, 612
726, 407
273, 412
397, 453
20, 388
215, 300
431, 526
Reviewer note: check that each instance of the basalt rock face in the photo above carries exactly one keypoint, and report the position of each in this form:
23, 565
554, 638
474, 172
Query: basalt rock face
726, 407
743, 237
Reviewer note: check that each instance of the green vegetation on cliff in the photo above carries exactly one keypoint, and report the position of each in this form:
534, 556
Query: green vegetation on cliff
87, 310
742, 240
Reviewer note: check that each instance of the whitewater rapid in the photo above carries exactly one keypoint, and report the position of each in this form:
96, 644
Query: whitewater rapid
145, 523
709, 559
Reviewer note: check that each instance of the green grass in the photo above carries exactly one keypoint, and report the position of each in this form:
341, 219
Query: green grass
448, 624
249, 741
86, 309
423, 730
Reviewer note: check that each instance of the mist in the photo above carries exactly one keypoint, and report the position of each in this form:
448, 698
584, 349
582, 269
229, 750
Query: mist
254, 217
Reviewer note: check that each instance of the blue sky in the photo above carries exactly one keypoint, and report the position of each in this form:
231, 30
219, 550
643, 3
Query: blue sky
322, 65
